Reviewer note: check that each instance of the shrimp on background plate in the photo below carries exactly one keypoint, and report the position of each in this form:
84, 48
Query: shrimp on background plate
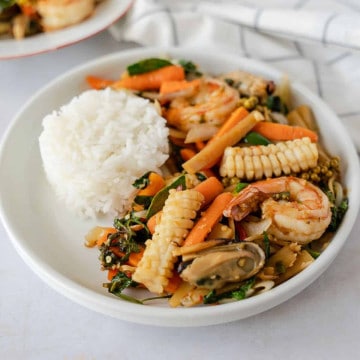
301, 218
57, 14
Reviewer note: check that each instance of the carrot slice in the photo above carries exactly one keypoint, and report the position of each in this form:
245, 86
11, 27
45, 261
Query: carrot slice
98, 83
151, 80
186, 153
173, 284
111, 273
199, 145
208, 219
153, 221
209, 188
29, 10
172, 86
104, 233
209, 155
283, 132
156, 183
135, 257
236, 116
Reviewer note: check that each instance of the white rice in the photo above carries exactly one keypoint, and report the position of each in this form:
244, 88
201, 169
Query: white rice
96, 146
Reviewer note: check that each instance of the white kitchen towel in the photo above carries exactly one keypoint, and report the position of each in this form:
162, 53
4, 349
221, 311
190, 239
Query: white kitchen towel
314, 42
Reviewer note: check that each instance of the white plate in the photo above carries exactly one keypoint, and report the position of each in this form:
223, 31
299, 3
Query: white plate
106, 13
50, 239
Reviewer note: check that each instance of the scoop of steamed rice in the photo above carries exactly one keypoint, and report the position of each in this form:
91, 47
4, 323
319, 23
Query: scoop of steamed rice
97, 145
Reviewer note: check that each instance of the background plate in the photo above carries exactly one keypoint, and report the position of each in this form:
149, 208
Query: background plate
106, 13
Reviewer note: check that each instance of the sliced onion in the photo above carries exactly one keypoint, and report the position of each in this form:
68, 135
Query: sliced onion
254, 226
279, 117
339, 193
176, 133
264, 286
201, 132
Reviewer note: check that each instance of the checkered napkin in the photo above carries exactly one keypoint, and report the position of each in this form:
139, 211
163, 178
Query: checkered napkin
315, 42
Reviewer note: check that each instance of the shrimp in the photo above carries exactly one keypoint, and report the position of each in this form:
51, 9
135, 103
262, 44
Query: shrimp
249, 84
302, 219
210, 101
57, 14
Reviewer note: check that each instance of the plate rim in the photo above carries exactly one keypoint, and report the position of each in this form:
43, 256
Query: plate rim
132, 312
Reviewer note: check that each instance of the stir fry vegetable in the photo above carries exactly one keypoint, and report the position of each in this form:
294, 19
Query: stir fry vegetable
248, 198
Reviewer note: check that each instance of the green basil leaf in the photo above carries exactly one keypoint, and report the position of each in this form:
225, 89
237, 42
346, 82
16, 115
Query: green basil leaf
147, 65
159, 199
254, 138
143, 200
142, 182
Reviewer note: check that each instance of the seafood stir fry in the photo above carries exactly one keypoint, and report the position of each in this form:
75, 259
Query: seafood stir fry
248, 198
22, 18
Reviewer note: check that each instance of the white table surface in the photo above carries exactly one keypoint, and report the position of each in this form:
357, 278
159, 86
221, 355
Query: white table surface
322, 322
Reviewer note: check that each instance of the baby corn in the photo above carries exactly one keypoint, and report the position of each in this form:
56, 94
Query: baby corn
257, 162
155, 267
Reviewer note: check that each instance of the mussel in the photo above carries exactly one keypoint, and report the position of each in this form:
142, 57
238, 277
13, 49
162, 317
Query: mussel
217, 266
